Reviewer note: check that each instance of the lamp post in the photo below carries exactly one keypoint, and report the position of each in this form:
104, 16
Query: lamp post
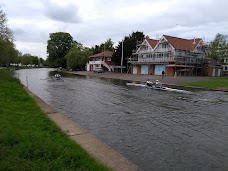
122, 59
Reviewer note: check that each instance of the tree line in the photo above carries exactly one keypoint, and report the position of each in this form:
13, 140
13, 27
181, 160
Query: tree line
8, 52
64, 52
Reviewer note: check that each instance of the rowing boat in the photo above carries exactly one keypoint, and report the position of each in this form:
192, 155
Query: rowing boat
158, 88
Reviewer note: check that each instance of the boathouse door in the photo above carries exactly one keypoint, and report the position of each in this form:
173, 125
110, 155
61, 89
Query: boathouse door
144, 69
159, 69
134, 70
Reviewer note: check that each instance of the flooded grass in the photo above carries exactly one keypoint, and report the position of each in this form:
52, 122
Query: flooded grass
211, 83
29, 140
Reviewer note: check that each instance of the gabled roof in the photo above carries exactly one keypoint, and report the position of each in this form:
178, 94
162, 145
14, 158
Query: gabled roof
152, 42
183, 44
103, 54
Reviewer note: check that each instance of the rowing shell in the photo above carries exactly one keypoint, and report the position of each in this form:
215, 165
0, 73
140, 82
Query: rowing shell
158, 88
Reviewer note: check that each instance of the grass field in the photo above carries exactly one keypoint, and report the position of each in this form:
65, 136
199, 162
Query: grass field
211, 83
29, 140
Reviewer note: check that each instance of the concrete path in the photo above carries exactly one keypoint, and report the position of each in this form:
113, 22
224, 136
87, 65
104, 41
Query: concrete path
100, 151
143, 78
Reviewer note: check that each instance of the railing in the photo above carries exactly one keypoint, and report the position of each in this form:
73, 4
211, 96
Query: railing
189, 60
163, 49
95, 62
165, 59
106, 65
146, 51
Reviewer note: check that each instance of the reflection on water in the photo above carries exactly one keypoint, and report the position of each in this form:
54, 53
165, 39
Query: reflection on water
154, 129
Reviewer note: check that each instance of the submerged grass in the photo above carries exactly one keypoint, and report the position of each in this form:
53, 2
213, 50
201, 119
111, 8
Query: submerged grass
211, 83
29, 140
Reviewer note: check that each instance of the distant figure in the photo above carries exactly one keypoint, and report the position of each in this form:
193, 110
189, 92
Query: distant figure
163, 74
149, 83
57, 76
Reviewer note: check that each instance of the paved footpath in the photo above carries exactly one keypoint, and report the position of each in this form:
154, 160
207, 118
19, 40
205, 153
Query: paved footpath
143, 78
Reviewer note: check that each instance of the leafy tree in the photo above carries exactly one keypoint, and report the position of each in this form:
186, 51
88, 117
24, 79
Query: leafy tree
35, 60
218, 48
77, 57
96, 49
108, 45
5, 32
26, 59
8, 52
129, 44
58, 46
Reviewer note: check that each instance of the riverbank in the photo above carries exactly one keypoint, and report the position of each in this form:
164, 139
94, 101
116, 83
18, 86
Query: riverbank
29, 140
142, 78
188, 83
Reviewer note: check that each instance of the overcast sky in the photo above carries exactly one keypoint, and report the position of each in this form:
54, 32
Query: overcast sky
92, 22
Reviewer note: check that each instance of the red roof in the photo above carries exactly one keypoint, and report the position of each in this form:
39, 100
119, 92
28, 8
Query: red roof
183, 44
102, 54
152, 42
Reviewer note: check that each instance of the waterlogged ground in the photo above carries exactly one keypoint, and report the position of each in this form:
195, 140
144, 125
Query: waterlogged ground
156, 130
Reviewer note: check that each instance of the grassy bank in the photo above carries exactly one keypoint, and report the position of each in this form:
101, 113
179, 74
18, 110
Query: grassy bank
29, 140
211, 83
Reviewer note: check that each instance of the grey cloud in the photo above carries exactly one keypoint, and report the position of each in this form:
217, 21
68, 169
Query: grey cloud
30, 34
67, 13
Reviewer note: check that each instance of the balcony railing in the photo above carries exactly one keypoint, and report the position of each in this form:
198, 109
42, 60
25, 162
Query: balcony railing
146, 51
166, 59
95, 62
163, 50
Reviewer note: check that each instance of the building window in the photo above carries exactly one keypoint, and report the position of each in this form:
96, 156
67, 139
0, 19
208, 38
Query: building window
109, 59
226, 68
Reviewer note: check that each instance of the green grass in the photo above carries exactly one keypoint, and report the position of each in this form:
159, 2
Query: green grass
29, 140
211, 83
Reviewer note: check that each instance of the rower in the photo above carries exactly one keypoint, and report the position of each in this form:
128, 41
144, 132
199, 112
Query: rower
149, 83
158, 84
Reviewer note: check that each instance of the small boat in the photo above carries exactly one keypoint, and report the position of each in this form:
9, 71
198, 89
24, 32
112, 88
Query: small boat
156, 85
57, 76
148, 85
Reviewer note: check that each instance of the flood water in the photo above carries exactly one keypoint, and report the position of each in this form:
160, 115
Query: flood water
156, 130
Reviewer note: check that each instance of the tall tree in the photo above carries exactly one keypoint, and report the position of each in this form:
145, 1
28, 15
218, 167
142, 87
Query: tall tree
5, 32
108, 45
218, 48
129, 44
26, 59
77, 57
58, 46
35, 60
8, 52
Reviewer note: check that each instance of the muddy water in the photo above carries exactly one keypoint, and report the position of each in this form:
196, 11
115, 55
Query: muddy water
154, 129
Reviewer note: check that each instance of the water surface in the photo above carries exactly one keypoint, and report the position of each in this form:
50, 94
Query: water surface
156, 130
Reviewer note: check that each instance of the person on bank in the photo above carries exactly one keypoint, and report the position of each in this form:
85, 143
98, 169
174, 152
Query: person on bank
163, 74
